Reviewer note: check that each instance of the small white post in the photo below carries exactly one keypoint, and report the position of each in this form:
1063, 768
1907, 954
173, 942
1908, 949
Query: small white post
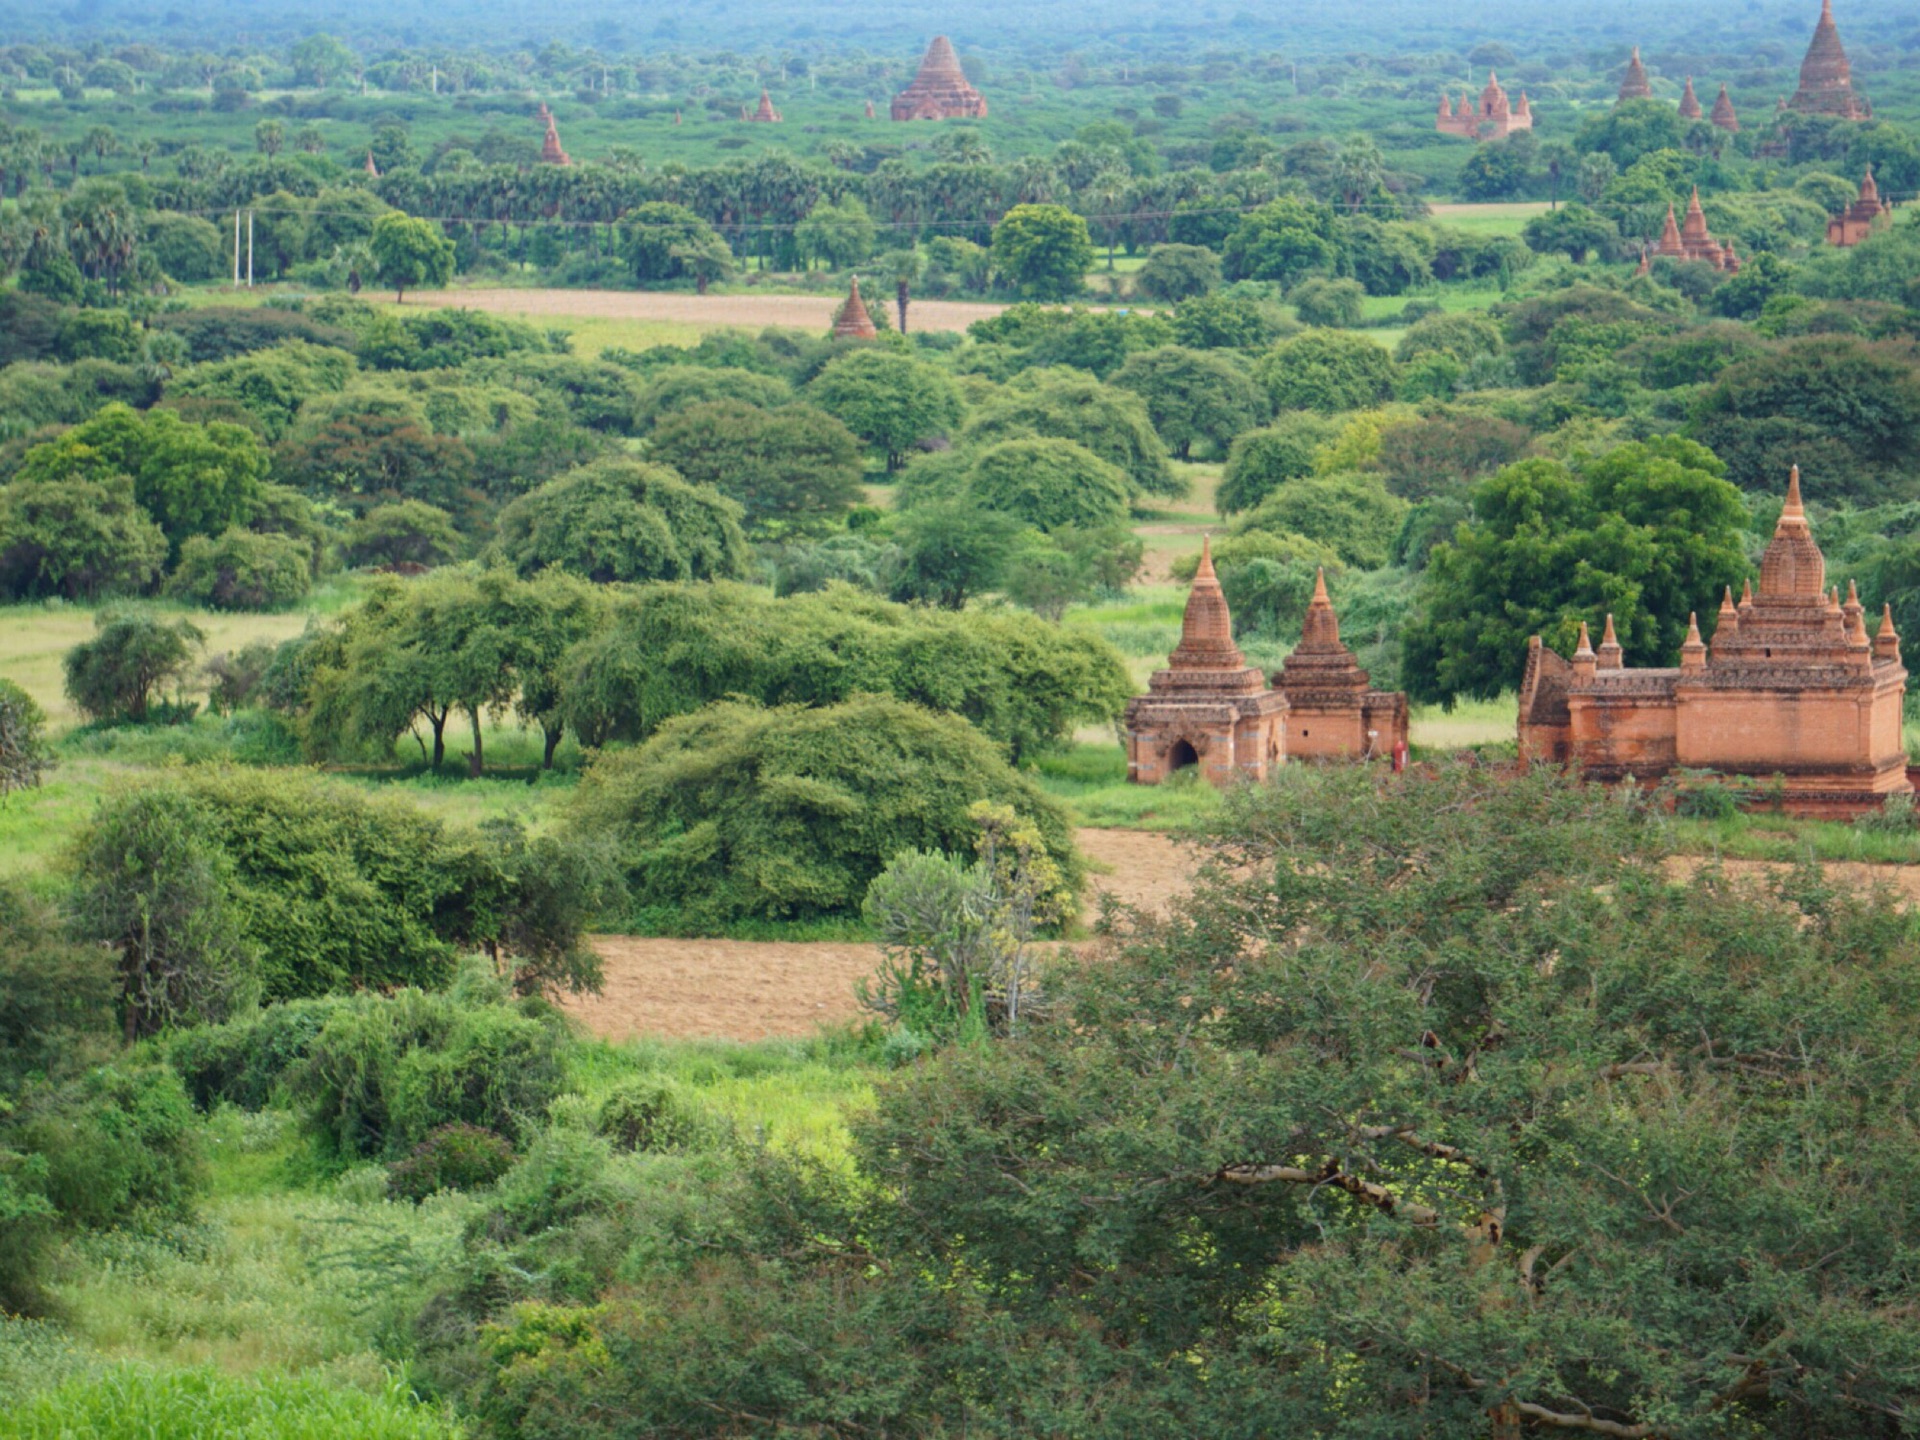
236, 249
249, 249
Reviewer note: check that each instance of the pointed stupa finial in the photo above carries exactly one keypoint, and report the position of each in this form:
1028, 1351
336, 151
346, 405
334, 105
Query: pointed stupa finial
1886, 640
1320, 596
1609, 654
1584, 650
1693, 650
1853, 595
1205, 572
1746, 591
1793, 509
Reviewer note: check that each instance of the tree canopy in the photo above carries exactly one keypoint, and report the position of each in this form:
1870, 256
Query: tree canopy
794, 469
618, 520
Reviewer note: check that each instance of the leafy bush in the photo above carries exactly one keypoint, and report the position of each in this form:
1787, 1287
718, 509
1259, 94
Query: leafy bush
1326, 370
1333, 303
1352, 513
240, 570
23, 750
1049, 484
794, 468
118, 1144
451, 1157
1066, 405
77, 537
407, 532
650, 1114
739, 812
673, 388
1261, 461
132, 654
619, 520
386, 1071
54, 992
243, 1061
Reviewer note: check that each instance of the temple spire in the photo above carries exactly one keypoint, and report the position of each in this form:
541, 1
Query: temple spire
1693, 650
1206, 628
1793, 511
1609, 657
1886, 640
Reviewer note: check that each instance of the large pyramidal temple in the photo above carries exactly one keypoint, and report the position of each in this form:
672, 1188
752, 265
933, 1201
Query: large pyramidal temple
1826, 76
1792, 686
940, 91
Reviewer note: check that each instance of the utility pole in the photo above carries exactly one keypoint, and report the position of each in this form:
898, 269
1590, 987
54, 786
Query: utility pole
236, 249
249, 249
436, 79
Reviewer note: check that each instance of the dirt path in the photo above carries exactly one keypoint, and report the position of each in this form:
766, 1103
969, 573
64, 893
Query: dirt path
752, 990
752, 312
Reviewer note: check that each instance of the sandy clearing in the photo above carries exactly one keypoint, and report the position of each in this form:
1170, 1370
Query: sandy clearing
754, 990
753, 312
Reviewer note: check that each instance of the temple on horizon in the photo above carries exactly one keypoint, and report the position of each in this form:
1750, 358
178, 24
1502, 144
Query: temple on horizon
940, 91
1490, 118
1826, 75
1791, 686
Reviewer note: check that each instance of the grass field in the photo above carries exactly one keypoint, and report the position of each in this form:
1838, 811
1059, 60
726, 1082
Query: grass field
1505, 218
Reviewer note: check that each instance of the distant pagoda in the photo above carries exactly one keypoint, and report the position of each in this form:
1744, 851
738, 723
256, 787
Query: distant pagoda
1634, 85
1690, 103
1723, 116
940, 91
1691, 240
1489, 118
1826, 76
853, 322
1860, 219
551, 152
766, 114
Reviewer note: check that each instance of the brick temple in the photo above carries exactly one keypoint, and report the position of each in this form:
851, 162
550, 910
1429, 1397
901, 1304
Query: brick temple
1211, 709
853, 322
940, 91
1722, 115
1489, 118
1860, 219
1634, 85
765, 114
1826, 75
1791, 686
1692, 241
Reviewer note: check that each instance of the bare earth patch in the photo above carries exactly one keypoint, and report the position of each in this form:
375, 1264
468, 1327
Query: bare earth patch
755, 990
747, 312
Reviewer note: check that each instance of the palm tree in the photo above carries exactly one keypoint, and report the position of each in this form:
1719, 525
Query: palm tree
311, 140
146, 150
903, 267
102, 142
268, 137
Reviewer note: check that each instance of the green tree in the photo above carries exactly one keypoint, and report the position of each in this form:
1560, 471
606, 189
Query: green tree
1049, 484
366, 458
791, 470
1261, 461
1571, 230
839, 236
1496, 171
891, 401
1178, 272
410, 252
1629, 130
624, 520
1352, 514
952, 551
23, 746
79, 538
1113, 423
132, 654
240, 570
1845, 410
660, 238
1648, 533
674, 387
739, 812
1285, 240
192, 479
1044, 251
406, 532
1326, 370
1193, 396
1338, 304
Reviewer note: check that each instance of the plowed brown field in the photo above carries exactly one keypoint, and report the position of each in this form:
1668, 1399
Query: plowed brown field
752, 990
747, 312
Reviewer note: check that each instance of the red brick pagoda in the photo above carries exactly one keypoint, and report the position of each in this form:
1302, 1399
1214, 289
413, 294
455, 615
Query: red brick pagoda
940, 91
766, 114
1722, 115
550, 151
853, 322
1634, 85
1826, 76
1690, 103
1332, 710
1691, 240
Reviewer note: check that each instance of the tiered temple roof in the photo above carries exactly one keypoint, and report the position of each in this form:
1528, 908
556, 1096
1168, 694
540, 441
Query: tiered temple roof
1826, 76
1862, 217
853, 322
940, 91
766, 114
1690, 103
1691, 241
1634, 85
